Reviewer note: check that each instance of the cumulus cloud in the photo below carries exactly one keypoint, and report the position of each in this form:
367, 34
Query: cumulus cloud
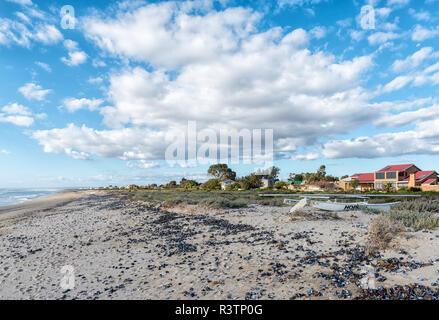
424, 139
16, 114
75, 56
32, 91
73, 104
81, 142
226, 75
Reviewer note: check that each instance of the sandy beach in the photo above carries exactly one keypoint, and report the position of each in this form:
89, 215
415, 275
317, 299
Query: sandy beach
128, 250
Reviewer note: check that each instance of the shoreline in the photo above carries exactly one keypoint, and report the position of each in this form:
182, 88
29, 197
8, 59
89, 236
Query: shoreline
35, 206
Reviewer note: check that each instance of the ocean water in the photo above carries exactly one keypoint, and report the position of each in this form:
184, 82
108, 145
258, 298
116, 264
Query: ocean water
15, 196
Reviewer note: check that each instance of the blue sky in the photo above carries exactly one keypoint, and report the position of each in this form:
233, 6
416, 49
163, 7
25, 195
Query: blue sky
93, 105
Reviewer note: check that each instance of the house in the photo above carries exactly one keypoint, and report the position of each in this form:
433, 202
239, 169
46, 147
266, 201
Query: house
294, 185
267, 183
397, 176
319, 186
366, 182
226, 183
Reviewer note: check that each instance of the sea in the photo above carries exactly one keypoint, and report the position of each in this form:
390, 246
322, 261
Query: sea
15, 196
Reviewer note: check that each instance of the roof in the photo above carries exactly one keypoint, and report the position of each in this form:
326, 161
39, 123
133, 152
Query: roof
321, 183
398, 167
421, 175
430, 181
364, 177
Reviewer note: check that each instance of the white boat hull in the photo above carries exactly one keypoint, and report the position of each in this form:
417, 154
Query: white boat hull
339, 206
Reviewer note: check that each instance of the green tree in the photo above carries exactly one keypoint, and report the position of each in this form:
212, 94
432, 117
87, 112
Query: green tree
245, 184
221, 171
388, 187
344, 177
321, 173
355, 183
233, 187
172, 184
274, 172
296, 177
212, 184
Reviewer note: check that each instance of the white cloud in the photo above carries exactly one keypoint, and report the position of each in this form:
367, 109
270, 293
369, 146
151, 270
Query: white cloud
308, 156
408, 118
73, 104
382, 37
76, 57
398, 3
420, 15
44, 66
413, 61
47, 34
16, 114
95, 80
318, 32
6, 152
142, 164
397, 83
23, 34
420, 33
169, 34
124, 144
224, 75
33, 91
22, 2
424, 139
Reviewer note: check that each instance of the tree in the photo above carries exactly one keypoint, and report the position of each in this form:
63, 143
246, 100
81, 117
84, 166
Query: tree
245, 184
296, 177
172, 184
221, 171
233, 187
355, 183
274, 172
212, 184
344, 177
321, 173
388, 187
255, 181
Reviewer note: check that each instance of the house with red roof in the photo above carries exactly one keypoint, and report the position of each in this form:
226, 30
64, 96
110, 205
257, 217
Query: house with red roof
397, 176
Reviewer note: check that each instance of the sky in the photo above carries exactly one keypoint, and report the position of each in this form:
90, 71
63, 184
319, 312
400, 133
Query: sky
94, 94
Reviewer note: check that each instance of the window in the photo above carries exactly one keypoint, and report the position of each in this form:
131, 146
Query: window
391, 175
380, 175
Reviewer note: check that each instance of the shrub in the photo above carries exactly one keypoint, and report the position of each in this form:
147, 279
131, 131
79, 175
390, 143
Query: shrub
415, 189
245, 184
413, 219
382, 230
233, 187
212, 184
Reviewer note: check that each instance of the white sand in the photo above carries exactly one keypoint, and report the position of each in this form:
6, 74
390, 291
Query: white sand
130, 252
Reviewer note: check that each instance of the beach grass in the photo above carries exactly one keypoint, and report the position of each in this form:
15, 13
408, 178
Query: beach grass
218, 199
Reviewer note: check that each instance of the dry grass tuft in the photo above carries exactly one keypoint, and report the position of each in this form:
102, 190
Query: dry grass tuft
382, 230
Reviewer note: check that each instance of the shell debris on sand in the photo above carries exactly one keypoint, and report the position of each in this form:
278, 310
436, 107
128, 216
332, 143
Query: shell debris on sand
127, 250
